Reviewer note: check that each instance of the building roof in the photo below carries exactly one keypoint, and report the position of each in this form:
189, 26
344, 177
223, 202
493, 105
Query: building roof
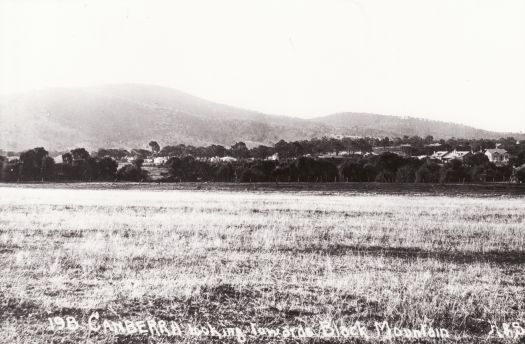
496, 150
439, 153
456, 154
58, 159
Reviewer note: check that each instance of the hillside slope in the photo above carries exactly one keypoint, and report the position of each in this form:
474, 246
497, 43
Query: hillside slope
366, 124
130, 115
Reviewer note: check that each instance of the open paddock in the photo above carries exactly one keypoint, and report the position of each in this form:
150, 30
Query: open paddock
237, 259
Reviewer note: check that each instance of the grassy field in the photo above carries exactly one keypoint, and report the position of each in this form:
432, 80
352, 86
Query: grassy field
237, 262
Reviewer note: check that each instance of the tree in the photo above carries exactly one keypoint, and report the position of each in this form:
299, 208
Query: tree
215, 150
240, 151
261, 152
477, 159
84, 169
155, 148
478, 173
138, 163
31, 164
370, 172
224, 173
131, 173
80, 154
140, 153
178, 150
67, 159
428, 173
385, 141
117, 154
385, 176
188, 169
47, 168
107, 167
252, 175
406, 174
520, 174
352, 171
284, 149
310, 170
518, 159
454, 172
390, 162
10, 171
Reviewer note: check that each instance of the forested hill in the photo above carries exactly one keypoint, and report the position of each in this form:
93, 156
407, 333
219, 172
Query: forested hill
130, 115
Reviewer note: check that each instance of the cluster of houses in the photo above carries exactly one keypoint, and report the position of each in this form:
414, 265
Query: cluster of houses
498, 156
161, 160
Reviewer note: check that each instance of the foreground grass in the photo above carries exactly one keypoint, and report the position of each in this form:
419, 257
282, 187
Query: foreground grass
272, 259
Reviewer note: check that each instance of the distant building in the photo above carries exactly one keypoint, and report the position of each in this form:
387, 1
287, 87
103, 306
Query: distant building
160, 160
341, 136
402, 150
433, 145
273, 157
497, 155
438, 155
223, 159
329, 155
455, 154
12, 158
147, 162
353, 153
58, 159
420, 157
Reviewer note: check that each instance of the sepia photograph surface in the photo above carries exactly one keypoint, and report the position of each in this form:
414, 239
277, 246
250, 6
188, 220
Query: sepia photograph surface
262, 171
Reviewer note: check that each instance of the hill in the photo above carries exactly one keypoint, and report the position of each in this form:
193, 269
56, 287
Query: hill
130, 115
366, 124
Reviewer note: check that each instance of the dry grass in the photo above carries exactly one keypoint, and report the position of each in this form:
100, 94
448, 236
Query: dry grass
233, 258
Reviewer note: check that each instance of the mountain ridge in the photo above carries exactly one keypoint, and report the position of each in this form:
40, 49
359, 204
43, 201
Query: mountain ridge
130, 115
371, 124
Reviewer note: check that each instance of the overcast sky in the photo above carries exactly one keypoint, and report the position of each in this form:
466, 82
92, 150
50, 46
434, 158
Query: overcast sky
457, 60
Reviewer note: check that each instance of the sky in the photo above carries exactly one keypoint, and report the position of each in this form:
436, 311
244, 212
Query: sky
451, 60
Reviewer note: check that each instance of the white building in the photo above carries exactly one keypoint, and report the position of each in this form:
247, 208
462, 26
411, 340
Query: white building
58, 159
227, 159
160, 160
223, 159
273, 157
455, 154
438, 155
497, 156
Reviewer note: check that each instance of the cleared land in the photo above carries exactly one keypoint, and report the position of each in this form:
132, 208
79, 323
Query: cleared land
270, 258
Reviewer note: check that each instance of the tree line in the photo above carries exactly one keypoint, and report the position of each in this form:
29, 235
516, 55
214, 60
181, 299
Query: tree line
415, 146
387, 167
78, 165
